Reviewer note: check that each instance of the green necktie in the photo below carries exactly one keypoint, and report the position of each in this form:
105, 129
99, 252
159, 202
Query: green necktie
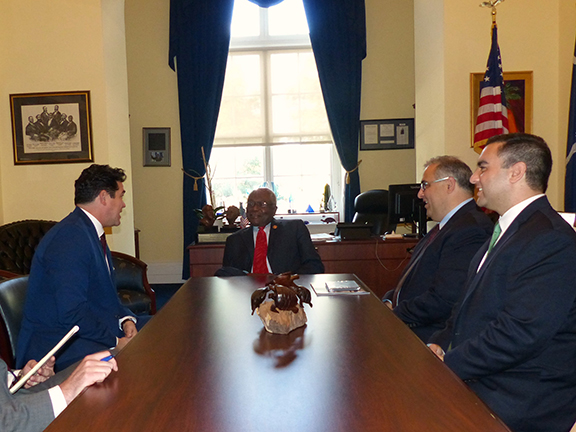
495, 235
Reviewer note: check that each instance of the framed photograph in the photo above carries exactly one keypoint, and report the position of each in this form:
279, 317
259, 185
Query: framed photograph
51, 127
391, 134
156, 146
518, 93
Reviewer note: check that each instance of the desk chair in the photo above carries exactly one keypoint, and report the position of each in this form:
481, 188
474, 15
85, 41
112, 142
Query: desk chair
372, 207
12, 298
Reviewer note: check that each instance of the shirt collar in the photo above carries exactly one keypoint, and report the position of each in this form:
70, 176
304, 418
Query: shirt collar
507, 218
452, 212
266, 230
95, 222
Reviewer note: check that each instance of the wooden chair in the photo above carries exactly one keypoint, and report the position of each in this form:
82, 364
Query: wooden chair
12, 298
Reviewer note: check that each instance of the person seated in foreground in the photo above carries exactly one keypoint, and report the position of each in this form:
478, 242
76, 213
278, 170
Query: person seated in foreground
269, 245
45, 395
72, 280
434, 278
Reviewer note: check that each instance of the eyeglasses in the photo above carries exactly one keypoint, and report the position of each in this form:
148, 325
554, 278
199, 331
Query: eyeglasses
424, 184
261, 204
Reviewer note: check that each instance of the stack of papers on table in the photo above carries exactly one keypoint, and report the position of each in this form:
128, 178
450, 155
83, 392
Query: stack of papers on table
341, 287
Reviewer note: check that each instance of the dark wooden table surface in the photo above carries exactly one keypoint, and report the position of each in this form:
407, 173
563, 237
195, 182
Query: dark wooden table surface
203, 363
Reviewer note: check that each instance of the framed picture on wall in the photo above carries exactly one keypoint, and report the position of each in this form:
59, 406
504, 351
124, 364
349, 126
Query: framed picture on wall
393, 134
518, 93
51, 127
156, 146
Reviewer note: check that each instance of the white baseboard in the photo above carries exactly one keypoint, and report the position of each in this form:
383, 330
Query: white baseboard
162, 273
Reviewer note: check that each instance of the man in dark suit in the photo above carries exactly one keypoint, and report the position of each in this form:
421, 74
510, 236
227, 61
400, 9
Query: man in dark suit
286, 244
512, 336
433, 280
72, 279
32, 409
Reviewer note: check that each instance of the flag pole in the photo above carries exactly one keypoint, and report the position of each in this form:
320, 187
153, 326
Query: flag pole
492, 116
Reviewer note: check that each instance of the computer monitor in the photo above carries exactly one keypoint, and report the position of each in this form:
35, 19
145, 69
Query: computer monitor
404, 206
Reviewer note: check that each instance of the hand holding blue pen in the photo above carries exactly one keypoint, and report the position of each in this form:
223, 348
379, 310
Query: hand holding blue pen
108, 358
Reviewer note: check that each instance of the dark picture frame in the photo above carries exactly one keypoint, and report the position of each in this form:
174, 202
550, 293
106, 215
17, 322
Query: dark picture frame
49, 128
156, 143
518, 89
392, 134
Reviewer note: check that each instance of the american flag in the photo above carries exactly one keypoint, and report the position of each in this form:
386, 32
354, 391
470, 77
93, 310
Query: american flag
243, 219
492, 114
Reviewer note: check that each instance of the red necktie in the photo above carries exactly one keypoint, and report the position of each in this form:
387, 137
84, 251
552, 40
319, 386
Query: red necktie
260, 252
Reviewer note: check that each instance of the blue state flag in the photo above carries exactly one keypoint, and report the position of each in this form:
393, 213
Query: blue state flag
570, 189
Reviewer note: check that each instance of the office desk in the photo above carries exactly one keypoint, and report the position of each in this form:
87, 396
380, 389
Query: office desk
378, 263
203, 363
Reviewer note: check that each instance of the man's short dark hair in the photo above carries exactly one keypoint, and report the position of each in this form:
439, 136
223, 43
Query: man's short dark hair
97, 178
530, 149
451, 166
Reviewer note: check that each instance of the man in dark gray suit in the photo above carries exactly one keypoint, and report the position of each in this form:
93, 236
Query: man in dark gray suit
32, 410
433, 280
512, 336
288, 244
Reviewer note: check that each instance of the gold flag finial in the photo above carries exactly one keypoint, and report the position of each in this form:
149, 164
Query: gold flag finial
492, 4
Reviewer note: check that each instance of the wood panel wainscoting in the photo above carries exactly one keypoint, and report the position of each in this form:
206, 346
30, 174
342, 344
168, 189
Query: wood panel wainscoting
378, 263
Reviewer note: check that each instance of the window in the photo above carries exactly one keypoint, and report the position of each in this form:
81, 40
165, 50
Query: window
272, 127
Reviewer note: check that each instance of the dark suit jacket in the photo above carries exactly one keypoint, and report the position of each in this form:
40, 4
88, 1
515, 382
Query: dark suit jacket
70, 284
289, 250
513, 335
436, 281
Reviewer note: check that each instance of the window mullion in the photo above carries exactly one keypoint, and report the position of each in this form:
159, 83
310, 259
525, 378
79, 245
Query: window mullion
267, 103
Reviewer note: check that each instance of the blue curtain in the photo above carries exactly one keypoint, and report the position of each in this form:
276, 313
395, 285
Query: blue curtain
338, 36
199, 41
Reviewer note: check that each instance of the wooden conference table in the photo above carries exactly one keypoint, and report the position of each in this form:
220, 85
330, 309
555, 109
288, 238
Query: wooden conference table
203, 363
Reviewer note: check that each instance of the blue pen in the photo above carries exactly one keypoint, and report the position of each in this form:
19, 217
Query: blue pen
110, 357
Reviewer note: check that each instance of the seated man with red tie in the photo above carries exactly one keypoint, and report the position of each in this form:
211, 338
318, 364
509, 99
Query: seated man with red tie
434, 278
269, 245
72, 278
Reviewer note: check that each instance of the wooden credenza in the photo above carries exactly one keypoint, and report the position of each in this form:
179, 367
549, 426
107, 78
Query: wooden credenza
378, 263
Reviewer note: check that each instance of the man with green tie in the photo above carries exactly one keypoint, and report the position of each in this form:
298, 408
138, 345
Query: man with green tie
512, 336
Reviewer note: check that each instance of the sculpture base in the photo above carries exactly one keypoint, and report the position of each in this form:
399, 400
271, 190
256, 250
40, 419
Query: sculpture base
281, 322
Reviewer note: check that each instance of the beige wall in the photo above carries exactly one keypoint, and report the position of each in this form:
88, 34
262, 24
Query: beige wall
154, 103
388, 88
533, 36
54, 46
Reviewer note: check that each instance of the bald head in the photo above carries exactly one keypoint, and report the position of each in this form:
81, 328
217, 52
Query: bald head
261, 207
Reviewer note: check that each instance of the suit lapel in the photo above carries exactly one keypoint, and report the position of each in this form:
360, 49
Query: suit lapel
247, 237
476, 276
97, 247
274, 239
418, 250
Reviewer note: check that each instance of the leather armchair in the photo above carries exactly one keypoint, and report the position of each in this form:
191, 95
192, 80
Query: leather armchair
372, 207
12, 298
132, 284
19, 240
